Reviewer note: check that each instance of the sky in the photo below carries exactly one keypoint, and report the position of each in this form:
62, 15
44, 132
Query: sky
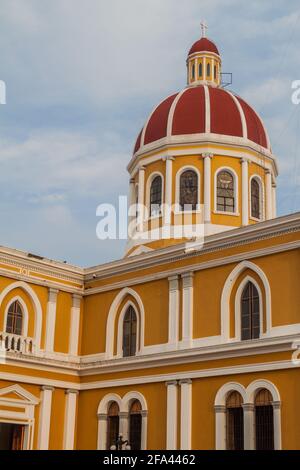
81, 78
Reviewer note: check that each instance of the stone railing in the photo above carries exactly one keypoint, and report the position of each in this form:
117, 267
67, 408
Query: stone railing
17, 343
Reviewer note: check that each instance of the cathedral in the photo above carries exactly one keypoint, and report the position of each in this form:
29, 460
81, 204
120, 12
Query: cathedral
192, 339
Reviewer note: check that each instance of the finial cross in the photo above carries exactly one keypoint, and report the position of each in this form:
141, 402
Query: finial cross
204, 28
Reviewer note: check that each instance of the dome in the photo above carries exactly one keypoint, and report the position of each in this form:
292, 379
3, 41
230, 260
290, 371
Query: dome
205, 110
204, 45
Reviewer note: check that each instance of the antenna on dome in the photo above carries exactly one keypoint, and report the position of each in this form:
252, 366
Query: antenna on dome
204, 28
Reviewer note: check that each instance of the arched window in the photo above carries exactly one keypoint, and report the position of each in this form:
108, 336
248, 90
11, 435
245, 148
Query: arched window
215, 72
208, 70
264, 421
234, 422
250, 315
193, 71
156, 196
255, 199
14, 322
188, 190
129, 332
135, 425
200, 69
112, 425
225, 192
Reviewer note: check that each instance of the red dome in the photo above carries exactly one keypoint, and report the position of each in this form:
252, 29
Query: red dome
215, 113
204, 45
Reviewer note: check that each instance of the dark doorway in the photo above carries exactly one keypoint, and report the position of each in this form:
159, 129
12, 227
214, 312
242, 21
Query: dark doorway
11, 436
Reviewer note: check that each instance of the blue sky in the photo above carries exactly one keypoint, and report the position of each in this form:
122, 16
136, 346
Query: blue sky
81, 79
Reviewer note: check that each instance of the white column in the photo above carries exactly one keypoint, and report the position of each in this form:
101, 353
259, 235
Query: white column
186, 415
207, 187
274, 204
141, 198
75, 324
45, 417
123, 426
172, 406
204, 68
70, 419
187, 309
173, 310
277, 424
102, 431
144, 414
248, 426
50, 321
245, 192
168, 190
269, 197
220, 430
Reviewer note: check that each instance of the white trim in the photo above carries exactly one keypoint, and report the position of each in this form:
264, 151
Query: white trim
248, 396
207, 102
74, 325
181, 170
172, 112
186, 414
245, 191
124, 409
242, 114
51, 319
45, 418
173, 336
172, 413
110, 326
187, 309
128, 304
25, 316
70, 419
238, 307
236, 190
36, 306
226, 293
207, 187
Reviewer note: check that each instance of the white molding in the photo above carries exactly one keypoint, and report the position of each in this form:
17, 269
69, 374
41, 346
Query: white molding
36, 306
207, 187
226, 293
187, 309
172, 413
25, 315
45, 418
110, 325
74, 325
245, 191
51, 319
70, 419
207, 104
269, 196
173, 336
172, 112
186, 414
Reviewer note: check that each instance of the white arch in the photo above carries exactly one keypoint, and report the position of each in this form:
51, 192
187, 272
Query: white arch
110, 326
19, 299
107, 400
227, 388
237, 304
257, 385
177, 187
36, 305
235, 186
130, 397
128, 304
227, 289
261, 197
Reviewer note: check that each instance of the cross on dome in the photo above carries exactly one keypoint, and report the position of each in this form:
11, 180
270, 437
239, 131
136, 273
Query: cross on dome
204, 28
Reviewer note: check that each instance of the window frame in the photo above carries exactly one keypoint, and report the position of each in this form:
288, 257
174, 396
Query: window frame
182, 170
235, 189
120, 331
238, 309
24, 312
150, 180
261, 197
